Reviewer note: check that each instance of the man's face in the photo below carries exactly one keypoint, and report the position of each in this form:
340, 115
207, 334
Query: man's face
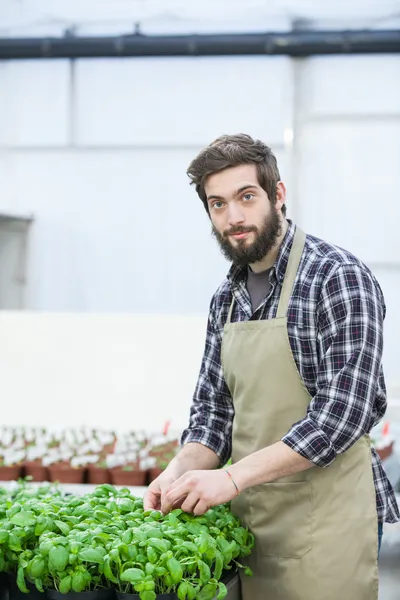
244, 221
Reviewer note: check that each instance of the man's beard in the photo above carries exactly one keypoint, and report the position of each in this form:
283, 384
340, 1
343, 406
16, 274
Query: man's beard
243, 253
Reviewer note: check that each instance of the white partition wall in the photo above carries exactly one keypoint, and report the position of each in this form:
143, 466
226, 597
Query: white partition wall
347, 167
96, 152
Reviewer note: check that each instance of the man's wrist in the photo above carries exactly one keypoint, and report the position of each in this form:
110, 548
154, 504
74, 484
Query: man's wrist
240, 476
234, 484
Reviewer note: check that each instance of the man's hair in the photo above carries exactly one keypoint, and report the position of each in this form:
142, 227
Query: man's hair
231, 151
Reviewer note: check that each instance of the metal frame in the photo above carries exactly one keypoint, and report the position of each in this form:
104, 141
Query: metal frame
292, 43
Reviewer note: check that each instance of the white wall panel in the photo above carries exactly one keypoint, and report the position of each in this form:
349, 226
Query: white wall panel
349, 180
110, 371
35, 103
390, 283
352, 85
182, 101
346, 161
7, 203
117, 231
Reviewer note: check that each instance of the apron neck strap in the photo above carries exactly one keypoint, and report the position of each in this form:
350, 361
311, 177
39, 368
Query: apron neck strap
291, 272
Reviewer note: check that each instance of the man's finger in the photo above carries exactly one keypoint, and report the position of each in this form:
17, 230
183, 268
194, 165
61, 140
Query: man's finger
152, 500
200, 508
190, 503
175, 484
172, 496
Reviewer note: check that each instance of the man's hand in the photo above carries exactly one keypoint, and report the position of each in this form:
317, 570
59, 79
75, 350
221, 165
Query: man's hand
191, 456
197, 491
154, 495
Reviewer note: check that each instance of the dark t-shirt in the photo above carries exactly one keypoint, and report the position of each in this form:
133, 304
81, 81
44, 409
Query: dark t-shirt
258, 287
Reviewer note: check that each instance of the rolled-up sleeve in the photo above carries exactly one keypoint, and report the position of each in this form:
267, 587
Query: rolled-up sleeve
349, 324
211, 413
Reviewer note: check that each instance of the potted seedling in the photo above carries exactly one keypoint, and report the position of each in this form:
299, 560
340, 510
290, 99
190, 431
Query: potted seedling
98, 472
11, 462
127, 469
33, 465
64, 468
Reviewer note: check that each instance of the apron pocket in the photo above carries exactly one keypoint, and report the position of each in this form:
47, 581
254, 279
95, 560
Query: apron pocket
280, 518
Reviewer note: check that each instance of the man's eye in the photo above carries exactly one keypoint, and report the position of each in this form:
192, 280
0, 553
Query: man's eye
248, 197
218, 204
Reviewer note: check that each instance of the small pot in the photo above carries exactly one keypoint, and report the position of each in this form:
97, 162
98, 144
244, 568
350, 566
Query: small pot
109, 448
98, 475
385, 452
94, 595
11, 473
64, 473
36, 470
132, 478
3, 586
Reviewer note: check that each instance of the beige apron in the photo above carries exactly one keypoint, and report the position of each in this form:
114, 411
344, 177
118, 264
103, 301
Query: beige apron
316, 532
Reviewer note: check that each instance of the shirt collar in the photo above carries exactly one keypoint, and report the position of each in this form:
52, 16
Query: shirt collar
237, 274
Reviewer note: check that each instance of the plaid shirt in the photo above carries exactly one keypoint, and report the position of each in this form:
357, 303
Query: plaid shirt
335, 328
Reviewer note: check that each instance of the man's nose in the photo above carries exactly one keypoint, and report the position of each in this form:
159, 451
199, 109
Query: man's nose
235, 215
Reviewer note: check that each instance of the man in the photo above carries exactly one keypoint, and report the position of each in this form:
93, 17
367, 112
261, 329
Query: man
291, 384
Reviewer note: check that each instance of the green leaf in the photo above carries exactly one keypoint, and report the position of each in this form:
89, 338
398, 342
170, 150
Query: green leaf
127, 536
107, 489
219, 565
93, 555
75, 546
58, 557
207, 592
205, 573
45, 547
153, 532
132, 552
133, 576
146, 595
222, 591
3, 536
182, 590
39, 584
191, 592
108, 574
63, 527
126, 505
21, 581
36, 567
152, 555
78, 582
203, 542
65, 584
150, 569
23, 519
175, 569
160, 545
191, 546
14, 543
43, 523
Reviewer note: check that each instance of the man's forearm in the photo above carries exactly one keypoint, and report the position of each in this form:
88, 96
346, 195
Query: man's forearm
193, 457
267, 465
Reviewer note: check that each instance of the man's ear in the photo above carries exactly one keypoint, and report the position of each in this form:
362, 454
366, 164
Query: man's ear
280, 194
